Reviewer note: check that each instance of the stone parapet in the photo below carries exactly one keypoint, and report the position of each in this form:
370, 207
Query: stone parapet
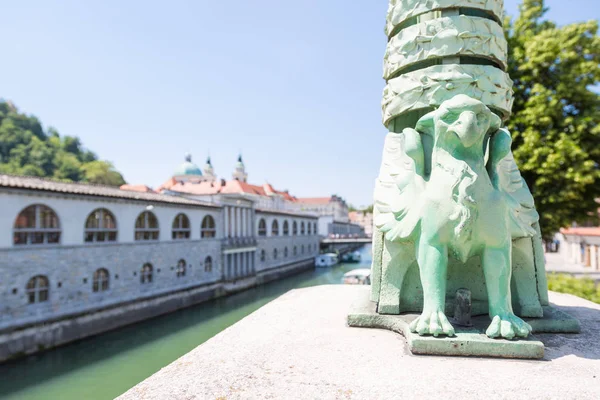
299, 347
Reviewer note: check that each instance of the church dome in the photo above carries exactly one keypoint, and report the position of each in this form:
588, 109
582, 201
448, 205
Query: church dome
188, 168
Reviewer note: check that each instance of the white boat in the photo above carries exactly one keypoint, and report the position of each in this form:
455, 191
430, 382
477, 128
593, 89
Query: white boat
352, 257
326, 260
360, 276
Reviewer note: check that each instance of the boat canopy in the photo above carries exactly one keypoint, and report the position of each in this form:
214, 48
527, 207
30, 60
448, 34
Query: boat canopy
359, 272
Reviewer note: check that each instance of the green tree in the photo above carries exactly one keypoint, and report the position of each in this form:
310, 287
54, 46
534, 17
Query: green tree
102, 172
556, 114
25, 149
68, 167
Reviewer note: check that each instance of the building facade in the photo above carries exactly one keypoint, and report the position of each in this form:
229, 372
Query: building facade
334, 216
70, 250
333, 206
364, 219
580, 245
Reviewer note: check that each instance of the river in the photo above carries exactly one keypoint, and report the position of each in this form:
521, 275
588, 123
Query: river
105, 366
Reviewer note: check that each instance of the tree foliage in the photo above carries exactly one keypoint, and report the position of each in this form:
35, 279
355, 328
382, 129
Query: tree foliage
556, 114
25, 149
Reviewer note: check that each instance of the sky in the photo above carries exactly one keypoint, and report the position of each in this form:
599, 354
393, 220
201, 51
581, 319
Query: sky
294, 86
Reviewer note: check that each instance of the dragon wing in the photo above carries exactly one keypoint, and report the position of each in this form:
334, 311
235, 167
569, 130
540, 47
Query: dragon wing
506, 178
399, 185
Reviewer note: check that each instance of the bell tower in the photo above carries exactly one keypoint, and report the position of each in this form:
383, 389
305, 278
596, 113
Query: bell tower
209, 171
239, 174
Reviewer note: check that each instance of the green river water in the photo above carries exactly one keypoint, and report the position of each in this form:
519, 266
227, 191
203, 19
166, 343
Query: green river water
107, 365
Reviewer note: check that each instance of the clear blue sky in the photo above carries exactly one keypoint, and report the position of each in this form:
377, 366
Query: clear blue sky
296, 86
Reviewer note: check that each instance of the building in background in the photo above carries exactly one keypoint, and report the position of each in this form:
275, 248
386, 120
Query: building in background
214, 190
332, 212
333, 206
364, 219
580, 245
79, 259
333, 215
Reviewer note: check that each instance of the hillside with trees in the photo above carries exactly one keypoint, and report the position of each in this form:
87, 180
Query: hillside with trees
26, 149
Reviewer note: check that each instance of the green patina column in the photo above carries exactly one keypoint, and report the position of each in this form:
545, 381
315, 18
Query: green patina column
452, 211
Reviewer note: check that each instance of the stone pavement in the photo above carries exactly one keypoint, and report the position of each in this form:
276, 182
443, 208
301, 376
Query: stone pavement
299, 347
555, 262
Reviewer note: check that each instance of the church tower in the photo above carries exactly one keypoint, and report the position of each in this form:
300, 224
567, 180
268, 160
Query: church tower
240, 171
209, 171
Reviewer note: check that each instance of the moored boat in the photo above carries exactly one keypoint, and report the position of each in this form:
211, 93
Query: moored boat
326, 260
351, 257
360, 276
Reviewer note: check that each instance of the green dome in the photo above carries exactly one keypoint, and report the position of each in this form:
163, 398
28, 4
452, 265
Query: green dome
188, 168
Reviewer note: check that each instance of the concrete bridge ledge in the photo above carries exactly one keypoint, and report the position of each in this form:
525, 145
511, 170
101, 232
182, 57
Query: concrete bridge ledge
299, 346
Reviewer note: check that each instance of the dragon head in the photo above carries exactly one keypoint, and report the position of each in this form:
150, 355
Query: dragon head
465, 118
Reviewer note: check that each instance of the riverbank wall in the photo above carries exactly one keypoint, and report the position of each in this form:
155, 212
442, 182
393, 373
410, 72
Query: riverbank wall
38, 337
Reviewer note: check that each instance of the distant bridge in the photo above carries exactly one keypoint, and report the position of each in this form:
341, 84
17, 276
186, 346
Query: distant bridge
362, 240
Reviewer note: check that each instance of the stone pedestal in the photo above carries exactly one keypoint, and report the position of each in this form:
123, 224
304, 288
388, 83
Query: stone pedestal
299, 347
468, 341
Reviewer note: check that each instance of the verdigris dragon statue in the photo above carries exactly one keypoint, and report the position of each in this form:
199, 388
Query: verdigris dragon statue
451, 188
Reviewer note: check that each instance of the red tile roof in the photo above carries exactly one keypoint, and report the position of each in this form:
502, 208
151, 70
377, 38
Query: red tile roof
89, 189
581, 231
137, 188
230, 187
314, 200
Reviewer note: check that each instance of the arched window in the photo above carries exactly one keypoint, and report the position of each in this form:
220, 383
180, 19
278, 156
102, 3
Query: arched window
302, 228
208, 229
294, 228
100, 281
309, 227
286, 228
37, 224
181, 268
208, 264
146, 226
274, 254
100, 226
37, 289
262, 228
302, 249
295, 250
285, 252
263, 255
181, 227
275, 228
146, 275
